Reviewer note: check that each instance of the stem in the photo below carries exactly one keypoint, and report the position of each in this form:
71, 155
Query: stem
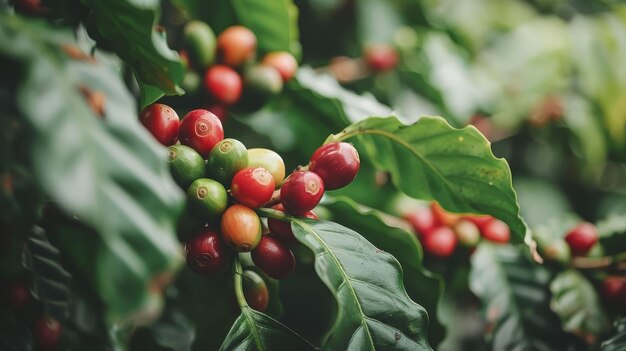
275, 199
617, 262
237, 283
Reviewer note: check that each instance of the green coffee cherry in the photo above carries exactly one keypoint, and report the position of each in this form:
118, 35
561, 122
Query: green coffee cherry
200, 43
227, 157
261, 82
269, 160
186, 165
207, 198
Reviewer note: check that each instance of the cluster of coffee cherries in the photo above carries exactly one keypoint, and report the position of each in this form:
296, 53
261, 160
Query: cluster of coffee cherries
440, 231
227, 70
226, 182
376, 58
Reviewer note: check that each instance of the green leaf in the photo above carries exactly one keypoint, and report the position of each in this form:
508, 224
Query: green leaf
130, 26
422, 286
575, 301
430, 160
612, 233
374, 310
618, 341
103, 167
515, 296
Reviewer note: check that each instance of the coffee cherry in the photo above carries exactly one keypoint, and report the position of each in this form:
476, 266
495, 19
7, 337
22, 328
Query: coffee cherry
241, 228
336, 163
582, 238
380, 57
443, 217
269, 160
496, 231
228, 157
186, 165
558, 251
422, 220
30, 7
207, 198
17, 296
440, 243
162, 122
283, 62
261, 82
255, 290
273, 258
236, 46
200, 44
201, 130
613, 291
207, 254
467, 233
281, 230
220, 111
301, 192
223, 84
47, 333
252, 186
479, 221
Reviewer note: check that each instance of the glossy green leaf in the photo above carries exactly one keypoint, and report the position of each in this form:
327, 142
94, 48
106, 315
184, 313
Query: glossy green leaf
618, 341
101, 166
432, 161
576, 302
515, 297
422, 286
612, 232
374, 309
130, 26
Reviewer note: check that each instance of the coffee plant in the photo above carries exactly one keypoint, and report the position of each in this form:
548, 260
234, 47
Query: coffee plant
312, 175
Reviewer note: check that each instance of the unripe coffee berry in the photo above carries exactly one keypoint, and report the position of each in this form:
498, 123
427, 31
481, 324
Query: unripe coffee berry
162, 122
582, 238
260, 82
558, 251
223, 84
227, 158
443, 217
252, 186
186, 165
236, 45
241, 228
255, 291
422, 220
497, 231
301, 192
283, 62
467, 233
273, 258
200, 44
269, 160
441, 242
47, 333
201, 130
337, 163
207, 198
380, 57
207, 254
281, 230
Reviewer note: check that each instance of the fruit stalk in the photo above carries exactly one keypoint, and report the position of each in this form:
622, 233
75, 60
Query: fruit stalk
238, 283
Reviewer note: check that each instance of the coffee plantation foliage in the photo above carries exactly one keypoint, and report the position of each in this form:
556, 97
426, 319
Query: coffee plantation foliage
308, 174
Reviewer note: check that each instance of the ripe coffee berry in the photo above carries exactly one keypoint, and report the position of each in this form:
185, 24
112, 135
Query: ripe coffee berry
17, 296
443, 217
207, 254
227, 158
273, 258
236, 46
255, 290
269, 160
186, 165
252, 186
283, 62
496, 231
380, 57
440, 243
582, 238
162, 122
613, 291
201, 130
207, 198
301, 192
281, 230
336, 163
479, 221
241, 228
47, 333
422, 220
223, 84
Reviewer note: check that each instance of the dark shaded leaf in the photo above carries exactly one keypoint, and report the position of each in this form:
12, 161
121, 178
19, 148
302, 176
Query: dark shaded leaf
618, 341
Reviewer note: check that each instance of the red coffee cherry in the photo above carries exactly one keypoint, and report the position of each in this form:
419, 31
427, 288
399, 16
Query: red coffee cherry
201, 130
301, 192
380, 57
479, 221
283, 62
162, 122
443, 217
422, 220
236, 46
613, 291
255, 290
252, 186
17, 296
496, 231
582, 238
207, 253
224, 84
241, 228
273, 258
336, 163
281, 230
440, 243
47, 333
